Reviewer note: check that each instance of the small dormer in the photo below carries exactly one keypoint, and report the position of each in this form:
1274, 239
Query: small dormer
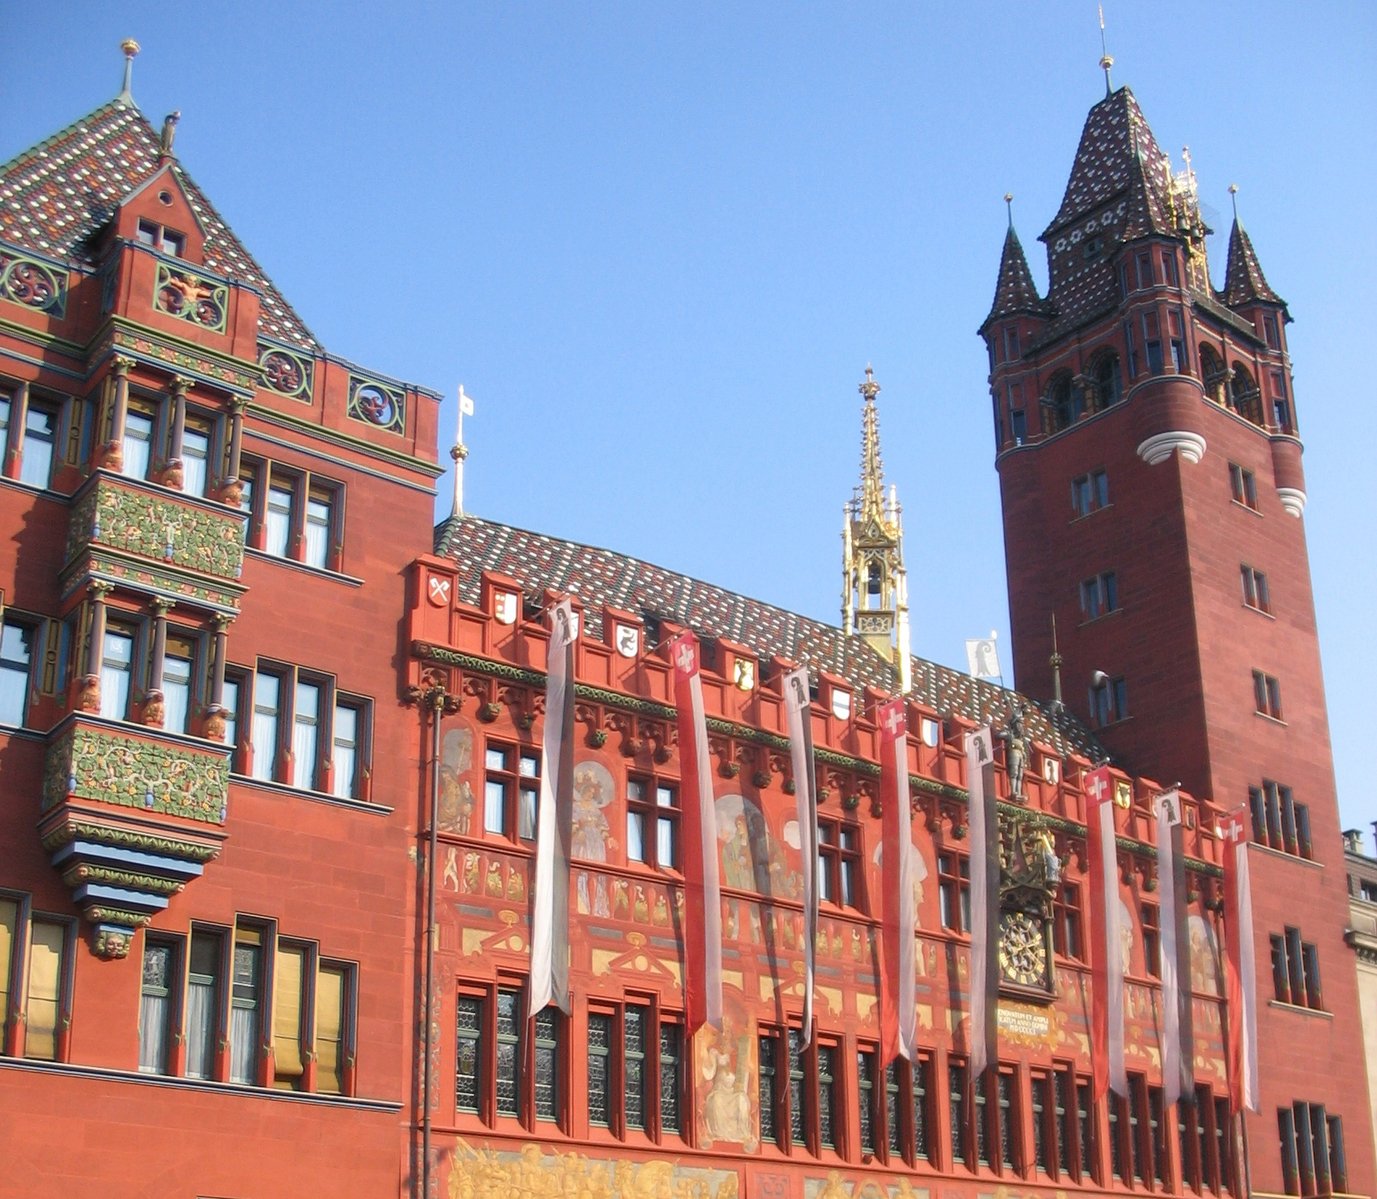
158, 214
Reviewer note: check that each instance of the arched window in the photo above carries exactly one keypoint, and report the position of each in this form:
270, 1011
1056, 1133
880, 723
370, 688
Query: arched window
1105, 375
1063, 403
874, 579
1212, 374
1243, 395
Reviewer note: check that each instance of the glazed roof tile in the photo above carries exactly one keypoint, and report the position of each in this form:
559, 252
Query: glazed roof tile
55, 196
1244, 282
601, 577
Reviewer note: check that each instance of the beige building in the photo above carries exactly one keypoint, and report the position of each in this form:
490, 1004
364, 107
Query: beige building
1362, 935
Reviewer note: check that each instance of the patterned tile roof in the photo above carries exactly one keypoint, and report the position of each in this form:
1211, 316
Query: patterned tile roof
1120, 189
1244, 281
599, 577
55, 196
1015, 290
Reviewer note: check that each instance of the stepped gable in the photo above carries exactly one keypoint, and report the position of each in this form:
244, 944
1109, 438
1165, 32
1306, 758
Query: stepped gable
598, 577
58, 195
1244, 282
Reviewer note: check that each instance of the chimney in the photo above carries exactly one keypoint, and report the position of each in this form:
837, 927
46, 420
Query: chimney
1353, 840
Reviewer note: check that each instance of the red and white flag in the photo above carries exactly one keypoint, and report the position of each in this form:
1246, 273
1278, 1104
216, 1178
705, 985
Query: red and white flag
984, 827
898, 1001
1106, 962
1178, 1039
798, 710
1240, 969
702, 887
554, 823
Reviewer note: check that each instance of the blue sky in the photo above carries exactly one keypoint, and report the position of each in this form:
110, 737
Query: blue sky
660, 243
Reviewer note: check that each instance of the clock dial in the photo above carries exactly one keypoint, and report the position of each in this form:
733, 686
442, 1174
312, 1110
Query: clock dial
1022, 950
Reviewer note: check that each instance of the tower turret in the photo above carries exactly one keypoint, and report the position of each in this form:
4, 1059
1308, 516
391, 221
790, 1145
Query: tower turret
1151, 479
874, 582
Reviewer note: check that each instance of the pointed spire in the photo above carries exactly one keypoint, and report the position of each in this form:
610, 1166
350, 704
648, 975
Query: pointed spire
131, 50
872, 469
1244, 282
1015, 290
1106, 59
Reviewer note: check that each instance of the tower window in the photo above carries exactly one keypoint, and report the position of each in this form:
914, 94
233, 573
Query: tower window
1063, 404
1100, 595
1279, 822
1296, 970
1018, 426
1089, 492
1212, 374
1267, 695
1255, 589
1243, 395
1243, 486
874, 579
1271, 331
1109, 702
1105, 372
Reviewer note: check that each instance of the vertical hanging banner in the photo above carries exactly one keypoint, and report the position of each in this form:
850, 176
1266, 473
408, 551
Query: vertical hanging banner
702, 887
1106, 961
1178, 1033
798, 710
898, 1002
984, 828
554, 823
1239, 966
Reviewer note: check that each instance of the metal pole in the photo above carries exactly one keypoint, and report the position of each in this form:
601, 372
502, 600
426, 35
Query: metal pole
437, 706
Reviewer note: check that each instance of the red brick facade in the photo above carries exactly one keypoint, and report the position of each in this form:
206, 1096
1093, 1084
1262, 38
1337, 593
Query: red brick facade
1146, 431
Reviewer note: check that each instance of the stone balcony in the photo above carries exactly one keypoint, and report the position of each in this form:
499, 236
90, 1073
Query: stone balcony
130, 533
130, 815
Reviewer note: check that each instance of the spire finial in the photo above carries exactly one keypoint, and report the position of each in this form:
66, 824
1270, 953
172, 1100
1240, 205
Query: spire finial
1233, 195
872, 470
459, 451
1055, 662
1009, 204
131, 51
1106, 59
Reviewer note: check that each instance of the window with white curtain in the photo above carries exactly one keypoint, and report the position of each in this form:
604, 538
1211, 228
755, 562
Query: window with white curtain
203, 999
116, 672
155, 1006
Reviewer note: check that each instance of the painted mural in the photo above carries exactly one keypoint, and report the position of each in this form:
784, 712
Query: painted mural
1206, 976
478, 1172
753, 859
726, 1074
593, 794
457, 804
920, 874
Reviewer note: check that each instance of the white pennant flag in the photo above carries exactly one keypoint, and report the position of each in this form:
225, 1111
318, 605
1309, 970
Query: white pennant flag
554, 820
798, 709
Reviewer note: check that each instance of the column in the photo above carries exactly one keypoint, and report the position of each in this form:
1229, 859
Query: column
113, 456
19, 414
231, 490
88, 690
172, 470
153, 701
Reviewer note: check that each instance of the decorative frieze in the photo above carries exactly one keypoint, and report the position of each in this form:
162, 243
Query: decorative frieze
123, 515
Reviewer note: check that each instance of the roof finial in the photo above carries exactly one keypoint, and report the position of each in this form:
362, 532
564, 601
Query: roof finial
131, 50
1009, 203
872, 471
459, 451
1055, 662
1233, 195
1106, 59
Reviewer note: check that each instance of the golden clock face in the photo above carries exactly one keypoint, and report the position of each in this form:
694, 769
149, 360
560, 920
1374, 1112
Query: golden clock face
1022, 950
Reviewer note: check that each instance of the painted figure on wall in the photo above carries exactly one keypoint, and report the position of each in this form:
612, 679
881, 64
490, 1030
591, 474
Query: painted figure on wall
726, 1082
1205, 976
456, 788
593, 792
753, 859
920, 873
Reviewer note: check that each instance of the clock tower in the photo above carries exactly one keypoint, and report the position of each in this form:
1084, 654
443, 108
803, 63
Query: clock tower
1149, 456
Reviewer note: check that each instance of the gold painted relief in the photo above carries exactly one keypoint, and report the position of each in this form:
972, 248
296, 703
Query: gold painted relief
836, 1186
478, 1172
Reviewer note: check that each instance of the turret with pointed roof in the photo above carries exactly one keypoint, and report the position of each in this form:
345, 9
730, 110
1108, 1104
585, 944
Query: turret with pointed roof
1244, 282
1015, 292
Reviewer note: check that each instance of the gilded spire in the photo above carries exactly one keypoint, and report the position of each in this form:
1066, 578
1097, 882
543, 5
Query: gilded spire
130, 49
872, 491
874, 583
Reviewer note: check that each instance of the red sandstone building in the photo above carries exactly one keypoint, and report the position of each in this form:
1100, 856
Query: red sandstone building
268, 888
